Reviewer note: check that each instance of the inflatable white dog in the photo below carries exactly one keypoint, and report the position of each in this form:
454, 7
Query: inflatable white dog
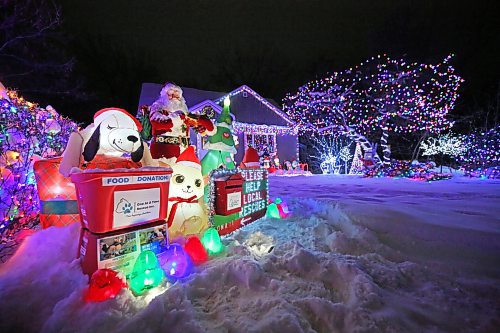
115, 132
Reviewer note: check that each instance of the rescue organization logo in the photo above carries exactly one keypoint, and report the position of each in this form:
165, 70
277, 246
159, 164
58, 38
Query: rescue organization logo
124, 207
135, 206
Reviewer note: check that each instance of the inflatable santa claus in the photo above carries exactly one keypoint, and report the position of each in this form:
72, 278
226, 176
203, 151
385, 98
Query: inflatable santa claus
170, 124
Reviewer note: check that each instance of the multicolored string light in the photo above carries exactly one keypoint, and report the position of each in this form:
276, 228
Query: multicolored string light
27, 132
482, 158
380, 92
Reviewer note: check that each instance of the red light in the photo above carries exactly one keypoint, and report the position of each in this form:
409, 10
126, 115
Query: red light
104, 284
195, 250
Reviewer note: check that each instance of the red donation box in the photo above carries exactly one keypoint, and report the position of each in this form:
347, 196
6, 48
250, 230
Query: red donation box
228, 195
110, 200
58, 205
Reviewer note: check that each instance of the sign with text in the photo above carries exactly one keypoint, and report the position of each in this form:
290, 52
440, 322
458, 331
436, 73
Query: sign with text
250, 193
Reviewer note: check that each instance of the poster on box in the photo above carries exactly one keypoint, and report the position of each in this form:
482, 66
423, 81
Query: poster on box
154, 239
135, 206
119, 252
252, 198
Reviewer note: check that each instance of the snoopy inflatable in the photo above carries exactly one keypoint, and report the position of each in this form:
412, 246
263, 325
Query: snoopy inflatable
112, 141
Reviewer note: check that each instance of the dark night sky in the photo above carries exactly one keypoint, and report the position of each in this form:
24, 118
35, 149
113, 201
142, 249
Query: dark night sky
275, 46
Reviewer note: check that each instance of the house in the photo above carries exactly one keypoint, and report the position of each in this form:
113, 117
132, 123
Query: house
259, 122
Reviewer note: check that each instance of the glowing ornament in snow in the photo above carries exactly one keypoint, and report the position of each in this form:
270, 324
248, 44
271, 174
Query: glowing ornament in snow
195, 250
211, 241
278, 209
146, 273
177, 264
104, 284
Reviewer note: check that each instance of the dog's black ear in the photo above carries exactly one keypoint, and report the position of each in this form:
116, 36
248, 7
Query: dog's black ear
137, 155
92, 146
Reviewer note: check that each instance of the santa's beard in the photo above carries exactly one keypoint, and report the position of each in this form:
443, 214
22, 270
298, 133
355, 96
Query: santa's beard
164, 106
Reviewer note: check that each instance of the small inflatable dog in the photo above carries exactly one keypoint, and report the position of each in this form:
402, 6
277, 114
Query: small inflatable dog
103, 144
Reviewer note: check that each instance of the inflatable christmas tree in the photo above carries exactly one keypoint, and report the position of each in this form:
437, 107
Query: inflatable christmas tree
220, 145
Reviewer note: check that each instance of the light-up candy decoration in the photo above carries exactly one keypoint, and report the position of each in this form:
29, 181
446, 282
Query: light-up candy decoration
211, 241
278, 209
146, 273
195, 250
282, 208
177, 264
104, 284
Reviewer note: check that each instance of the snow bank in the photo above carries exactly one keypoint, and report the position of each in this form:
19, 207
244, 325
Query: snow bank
336, 265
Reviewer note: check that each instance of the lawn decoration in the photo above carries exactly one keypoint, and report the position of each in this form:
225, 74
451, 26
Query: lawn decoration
106, 144
177, 264
170, 123
187, 210
104, 284
58, 205
211, 241
221, 145
278, 209
251, 159
194, 248
237, 198
146, 273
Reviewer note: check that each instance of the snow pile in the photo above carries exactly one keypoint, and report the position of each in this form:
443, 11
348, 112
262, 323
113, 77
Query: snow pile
320, 270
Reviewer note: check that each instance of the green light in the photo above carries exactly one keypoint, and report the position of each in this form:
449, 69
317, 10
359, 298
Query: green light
273, 211
211, 241
146, 274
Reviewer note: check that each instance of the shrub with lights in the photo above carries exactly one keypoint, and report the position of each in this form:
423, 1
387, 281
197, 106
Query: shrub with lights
482, 157
406, 169
27, 132
378, 97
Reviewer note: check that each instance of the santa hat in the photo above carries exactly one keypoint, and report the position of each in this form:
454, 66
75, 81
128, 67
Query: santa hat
251, 158
100, 115
188, 158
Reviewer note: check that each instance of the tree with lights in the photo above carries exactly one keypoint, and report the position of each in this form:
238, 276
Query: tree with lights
378, 97
482, 157
447, 144
27, 132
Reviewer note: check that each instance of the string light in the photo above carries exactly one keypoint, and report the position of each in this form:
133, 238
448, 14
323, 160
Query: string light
379, 95
27, 132
482, 158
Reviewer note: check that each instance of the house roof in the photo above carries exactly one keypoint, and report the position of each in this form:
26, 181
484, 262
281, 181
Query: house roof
248, 111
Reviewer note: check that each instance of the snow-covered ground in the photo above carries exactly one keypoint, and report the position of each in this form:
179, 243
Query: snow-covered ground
358, 255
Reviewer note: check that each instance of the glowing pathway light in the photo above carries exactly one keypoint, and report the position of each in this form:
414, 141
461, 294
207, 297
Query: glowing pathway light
146, 273
104, 284
177, 264
211, 241
195, 250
